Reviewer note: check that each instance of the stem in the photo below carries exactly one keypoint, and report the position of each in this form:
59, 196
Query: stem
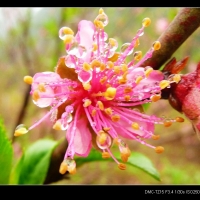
184, 24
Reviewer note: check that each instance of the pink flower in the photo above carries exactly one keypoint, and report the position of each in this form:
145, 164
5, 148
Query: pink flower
95, 95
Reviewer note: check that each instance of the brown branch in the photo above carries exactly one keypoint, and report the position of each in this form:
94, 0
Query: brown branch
184, 24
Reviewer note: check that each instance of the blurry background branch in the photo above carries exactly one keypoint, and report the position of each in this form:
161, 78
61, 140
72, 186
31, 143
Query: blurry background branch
184, 24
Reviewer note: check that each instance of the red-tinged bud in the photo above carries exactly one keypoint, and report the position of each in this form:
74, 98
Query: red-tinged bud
185, 97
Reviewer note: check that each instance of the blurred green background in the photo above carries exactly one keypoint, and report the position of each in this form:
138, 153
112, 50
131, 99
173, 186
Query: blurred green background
29, 43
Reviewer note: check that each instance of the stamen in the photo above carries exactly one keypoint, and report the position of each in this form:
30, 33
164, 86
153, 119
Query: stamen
87, 102
148, 71
102, 67
177, 78
110, 64
137, 55
146, 22
167, 123
100, 105
127, 97
135, 126
137, 43
108, 111
179, 119
68, 165
110, 93
115, 118
103, 80
20, 130
68, 31
68, 39
155, 137
101, 11
94, 112
95, 63
98, 24
156, 45
116, 69
95, 47
164, 83
138, 79
41, 87
122, 166
124, 67
28, 80
155, 97
159, 149
127, 90
86, 67
105, 154
63, 167
35, 95
86, 86
57, 125
122, 81
103, 140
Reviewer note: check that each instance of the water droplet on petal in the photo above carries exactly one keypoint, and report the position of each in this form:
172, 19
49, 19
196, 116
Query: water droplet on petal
70, 61
20, 130
102, 18
103, 141
81, 51
124, 47
84, 76
73, 49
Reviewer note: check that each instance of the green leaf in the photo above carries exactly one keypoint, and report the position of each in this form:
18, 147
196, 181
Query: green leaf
137, 160
33, 165
6, 156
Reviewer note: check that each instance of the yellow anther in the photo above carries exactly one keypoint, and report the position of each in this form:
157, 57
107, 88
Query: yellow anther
106, 129
101, 11
127, 90
124, 67
63, 167
177, 78
98, 24
100, 105
164, 83
137, 55
110, 64
68, 39
125, 74
112, 41
135, 126
105, 154
155, 137
36, 95
28, 80
95, 47
115, 118
117, 69
110, 93
57, 126
114, 57
86, 67
102, 137
127, 97
108, 111
155, 97
87, 103
156, 45
122, 166
86, 86
137, 43
159, 149
116, 141
41, 87
94, 112
124, 157
72, 169
148, 71
20, 131
95, 63
103, 80
68, 31
138, 79
167, 123
102, 67
146, 22
122, 80
179, 119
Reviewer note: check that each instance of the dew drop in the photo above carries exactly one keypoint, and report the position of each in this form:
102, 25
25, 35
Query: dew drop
103, 145
70, 61
102, 18
124, 47
84, 76
20, 130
